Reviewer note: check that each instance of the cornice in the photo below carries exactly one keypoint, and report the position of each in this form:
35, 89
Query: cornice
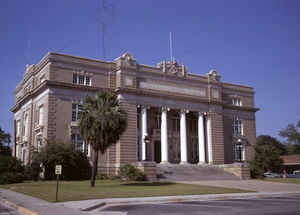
75, 86
241, 108
28, 96
167, 96
46, 84
185, 98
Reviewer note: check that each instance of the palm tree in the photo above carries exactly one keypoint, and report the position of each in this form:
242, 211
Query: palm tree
101, 124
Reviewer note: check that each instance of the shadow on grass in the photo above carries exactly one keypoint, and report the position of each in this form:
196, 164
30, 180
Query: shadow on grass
147, 184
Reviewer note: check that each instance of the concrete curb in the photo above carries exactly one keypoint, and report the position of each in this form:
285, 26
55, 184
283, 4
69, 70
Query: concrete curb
19, 208
90, 205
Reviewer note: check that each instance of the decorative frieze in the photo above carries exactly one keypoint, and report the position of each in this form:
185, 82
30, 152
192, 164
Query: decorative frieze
173, 89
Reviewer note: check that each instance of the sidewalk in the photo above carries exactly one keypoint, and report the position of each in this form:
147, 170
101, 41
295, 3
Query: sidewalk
32, 206
88, 205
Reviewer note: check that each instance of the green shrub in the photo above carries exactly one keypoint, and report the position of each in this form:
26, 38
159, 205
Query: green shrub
102, 177
11, 170
10, 164
11, 177
75, 164
130, 173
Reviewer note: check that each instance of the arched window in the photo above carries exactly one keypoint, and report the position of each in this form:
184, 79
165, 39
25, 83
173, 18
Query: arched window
237, 127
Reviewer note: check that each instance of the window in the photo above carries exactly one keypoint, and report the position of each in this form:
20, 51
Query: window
17, 151
18, 128
25, 125
81, 79
41, 115
76, 108
39, 142
42, 78
87, 81
237, 126
239, 152
74, 78
79, 144
23, 155
236, 102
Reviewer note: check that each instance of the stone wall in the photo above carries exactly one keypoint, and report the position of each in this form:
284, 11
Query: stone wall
240, 170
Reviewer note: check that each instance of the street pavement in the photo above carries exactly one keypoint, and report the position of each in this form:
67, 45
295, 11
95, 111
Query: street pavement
5, 210
285, 205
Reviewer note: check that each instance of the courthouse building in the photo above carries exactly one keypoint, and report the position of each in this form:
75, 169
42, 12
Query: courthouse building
174, 116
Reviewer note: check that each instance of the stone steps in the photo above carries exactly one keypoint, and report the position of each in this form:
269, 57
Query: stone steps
189, 172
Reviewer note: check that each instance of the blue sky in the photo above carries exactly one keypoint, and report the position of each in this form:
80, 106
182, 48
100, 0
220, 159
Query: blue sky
254, 43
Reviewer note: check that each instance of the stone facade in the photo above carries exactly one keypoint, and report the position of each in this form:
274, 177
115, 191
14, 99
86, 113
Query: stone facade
188, 118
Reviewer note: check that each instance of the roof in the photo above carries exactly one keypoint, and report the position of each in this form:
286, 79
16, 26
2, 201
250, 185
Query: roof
291, 159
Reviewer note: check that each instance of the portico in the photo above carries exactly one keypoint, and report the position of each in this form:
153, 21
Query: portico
177, 135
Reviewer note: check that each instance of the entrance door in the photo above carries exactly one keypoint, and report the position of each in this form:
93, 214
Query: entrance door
157, 151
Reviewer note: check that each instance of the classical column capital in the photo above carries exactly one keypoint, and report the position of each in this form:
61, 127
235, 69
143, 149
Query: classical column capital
165, 108
207, 114
143, 106
201, 113
184, 111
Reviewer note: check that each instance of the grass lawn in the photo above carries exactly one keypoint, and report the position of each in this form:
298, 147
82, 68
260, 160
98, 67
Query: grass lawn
284, 180
81, 190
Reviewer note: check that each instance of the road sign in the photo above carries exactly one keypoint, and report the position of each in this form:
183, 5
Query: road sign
58, 169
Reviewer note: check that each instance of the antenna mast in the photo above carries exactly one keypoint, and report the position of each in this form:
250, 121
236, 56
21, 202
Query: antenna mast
171, 47
103, 28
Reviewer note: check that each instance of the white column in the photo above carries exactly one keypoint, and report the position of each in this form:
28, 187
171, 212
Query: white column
164, 136
144, 132
244, 153
201, 140
209, 139
183, 143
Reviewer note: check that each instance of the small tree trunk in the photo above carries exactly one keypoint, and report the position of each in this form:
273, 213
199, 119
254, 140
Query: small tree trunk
94, 169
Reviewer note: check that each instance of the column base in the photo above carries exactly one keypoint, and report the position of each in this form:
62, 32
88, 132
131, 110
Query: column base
202, 163
164, 162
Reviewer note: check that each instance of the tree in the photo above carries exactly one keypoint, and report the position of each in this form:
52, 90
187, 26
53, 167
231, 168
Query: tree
102, 121
4, 143
266, 158
11, 170
292, 135
272, 141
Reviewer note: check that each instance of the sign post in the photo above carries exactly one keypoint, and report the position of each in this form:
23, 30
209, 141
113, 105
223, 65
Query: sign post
58, 169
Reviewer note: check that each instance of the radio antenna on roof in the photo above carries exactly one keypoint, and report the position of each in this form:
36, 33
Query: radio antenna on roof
171, 47
103, 28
